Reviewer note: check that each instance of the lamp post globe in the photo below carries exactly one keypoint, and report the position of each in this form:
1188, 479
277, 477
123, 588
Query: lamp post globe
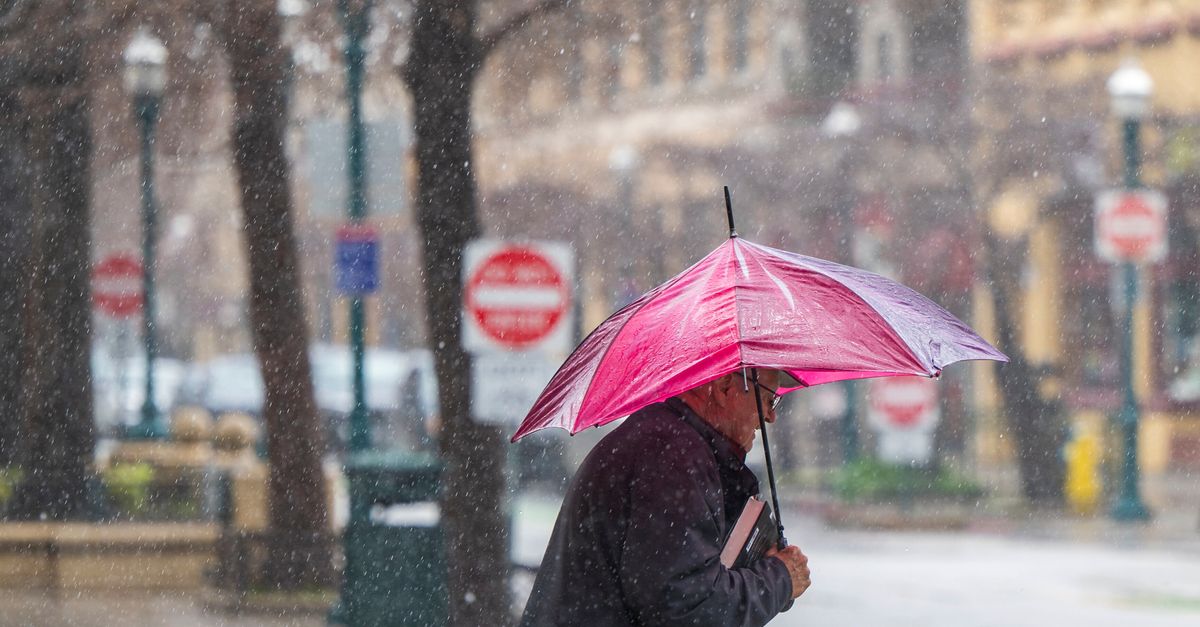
1129, 90
145, 79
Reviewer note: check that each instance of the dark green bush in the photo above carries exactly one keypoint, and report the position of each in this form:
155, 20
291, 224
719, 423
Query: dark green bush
873, 480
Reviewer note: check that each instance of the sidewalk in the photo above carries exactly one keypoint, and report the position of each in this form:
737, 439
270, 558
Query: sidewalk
38, 609
1173, 500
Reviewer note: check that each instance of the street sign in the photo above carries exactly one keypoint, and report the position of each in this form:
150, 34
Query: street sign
117, 286
1131, 226
505, 384
904, 411
903, 403
356, 260
517, 296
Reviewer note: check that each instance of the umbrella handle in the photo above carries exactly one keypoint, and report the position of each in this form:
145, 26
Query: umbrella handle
762, 425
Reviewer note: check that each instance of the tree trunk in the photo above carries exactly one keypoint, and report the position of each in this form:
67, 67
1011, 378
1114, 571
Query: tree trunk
57, 387
440, 75
15, 218
299, 548
1036, 422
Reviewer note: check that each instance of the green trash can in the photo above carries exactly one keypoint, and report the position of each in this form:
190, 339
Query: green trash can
395, 572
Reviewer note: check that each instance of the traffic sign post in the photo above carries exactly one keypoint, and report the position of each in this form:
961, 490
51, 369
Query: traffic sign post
506, 384
117, 286
517, 296
904, 411
517, 322
1131, 226
356, 260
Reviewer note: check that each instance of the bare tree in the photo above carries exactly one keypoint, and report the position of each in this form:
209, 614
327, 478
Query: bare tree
300, 544
448, 51
48, 41
14, 258
1021, 134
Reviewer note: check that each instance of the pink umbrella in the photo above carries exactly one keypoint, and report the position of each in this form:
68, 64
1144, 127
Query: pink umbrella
748, 306
751, 306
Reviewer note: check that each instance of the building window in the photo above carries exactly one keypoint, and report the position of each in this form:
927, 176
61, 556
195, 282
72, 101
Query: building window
832, 36
884, 57
573, 55
652, 43
738, 35
612, 69
697, 38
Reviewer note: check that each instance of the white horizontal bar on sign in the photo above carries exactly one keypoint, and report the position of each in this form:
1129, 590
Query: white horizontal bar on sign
1133, 227
423, 514
521, 297
118, 285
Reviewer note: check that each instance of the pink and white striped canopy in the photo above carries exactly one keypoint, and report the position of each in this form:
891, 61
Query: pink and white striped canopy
748, 305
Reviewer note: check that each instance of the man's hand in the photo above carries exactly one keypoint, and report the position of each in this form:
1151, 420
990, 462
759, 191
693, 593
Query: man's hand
797, 565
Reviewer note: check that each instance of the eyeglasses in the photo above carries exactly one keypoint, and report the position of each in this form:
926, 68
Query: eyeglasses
774, 398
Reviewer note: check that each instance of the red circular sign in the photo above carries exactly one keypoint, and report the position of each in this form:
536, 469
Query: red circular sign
517, 296
117, 286
1132, 227
904, 402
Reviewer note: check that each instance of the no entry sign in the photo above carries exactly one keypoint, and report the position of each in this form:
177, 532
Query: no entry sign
904, 412
117, 286
1131, 225
904, 403
517, 296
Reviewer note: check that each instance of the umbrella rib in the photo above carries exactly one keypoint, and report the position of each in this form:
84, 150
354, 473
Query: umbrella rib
587, 391
649, 298
903, 343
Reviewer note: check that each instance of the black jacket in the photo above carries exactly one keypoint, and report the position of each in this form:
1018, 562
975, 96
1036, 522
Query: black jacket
639, 535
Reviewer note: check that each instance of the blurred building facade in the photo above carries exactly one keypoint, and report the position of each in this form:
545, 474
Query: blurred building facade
617, 126
1053, 59
611, 125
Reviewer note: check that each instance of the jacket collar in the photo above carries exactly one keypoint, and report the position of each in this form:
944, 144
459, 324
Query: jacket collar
727, 451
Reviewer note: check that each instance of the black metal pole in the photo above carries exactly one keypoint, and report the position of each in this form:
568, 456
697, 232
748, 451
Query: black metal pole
729, 212
146, 108
762, 424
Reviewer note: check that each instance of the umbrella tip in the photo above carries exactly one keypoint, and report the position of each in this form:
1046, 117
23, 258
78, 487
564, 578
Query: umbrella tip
729, 212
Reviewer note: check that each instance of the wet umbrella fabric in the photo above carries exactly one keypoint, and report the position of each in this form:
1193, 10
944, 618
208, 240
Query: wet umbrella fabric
745, 305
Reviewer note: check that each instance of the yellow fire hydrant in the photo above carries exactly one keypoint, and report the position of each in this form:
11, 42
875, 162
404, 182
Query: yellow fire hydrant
1083, 472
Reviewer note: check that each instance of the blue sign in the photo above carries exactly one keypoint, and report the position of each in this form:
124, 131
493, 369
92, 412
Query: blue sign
356, 261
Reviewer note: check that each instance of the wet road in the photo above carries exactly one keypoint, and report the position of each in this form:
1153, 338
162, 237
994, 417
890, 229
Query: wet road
1083, 573
1088, 573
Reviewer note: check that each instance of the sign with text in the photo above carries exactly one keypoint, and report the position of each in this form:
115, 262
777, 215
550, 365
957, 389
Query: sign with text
517, 296
505, 384
356, 260
1131, 226
904, 412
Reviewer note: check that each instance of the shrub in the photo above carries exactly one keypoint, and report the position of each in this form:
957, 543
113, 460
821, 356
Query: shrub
128, 486
873, 480
9, 479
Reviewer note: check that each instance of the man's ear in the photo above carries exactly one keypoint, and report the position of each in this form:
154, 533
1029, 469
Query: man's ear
726, 383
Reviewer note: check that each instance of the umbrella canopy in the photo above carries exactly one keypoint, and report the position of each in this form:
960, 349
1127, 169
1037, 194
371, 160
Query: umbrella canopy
745, 305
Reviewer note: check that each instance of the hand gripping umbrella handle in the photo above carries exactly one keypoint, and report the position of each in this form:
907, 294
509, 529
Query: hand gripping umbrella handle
762, 424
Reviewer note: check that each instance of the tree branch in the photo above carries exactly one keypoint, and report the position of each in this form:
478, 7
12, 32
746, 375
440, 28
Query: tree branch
496, 36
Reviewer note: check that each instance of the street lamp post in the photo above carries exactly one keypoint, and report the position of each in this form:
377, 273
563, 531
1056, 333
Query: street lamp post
623, 161
145, 78
354, 15
1129, 88
842, 124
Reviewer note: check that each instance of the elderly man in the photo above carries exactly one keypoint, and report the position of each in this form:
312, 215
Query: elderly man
639, 535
